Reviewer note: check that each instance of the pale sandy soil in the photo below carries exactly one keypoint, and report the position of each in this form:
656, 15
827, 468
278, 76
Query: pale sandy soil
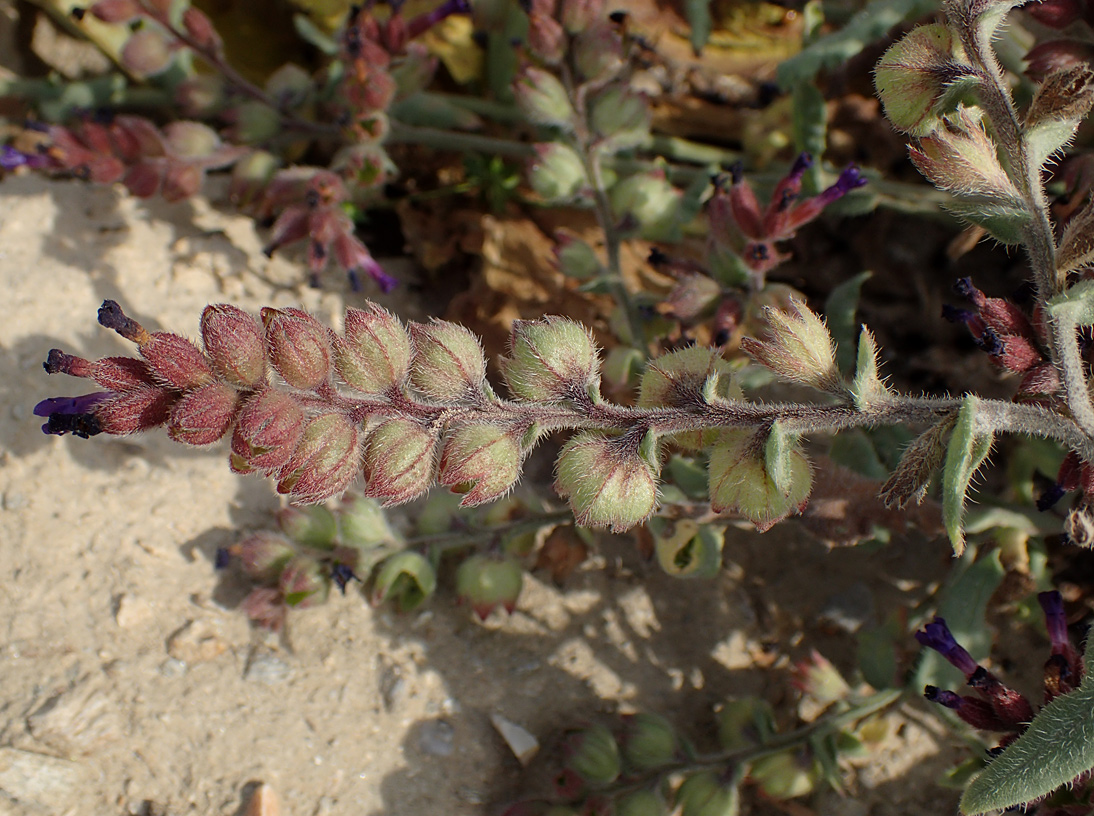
131, 685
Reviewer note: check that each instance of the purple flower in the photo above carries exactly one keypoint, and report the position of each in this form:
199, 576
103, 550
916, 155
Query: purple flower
1052, 604
850, 179
976, 713
75, 415
800, 165
10, 158
936, 635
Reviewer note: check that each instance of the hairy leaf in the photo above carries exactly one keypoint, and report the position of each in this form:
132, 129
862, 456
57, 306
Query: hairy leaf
1057, 747
1076, 305
917, 465
701, 22
969, 447
868, 389
1005, 222
840, 308
1077, 244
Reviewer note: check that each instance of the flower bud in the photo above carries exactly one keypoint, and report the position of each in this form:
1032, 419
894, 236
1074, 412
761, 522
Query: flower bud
121, 373
252, 122
374, 355
140, 409
399, 461
915, 73
606, 480
485, 460
820, 680
487, 583
741, 482
546, 38
557, 173
146, 53
594, 756
362, 523
550, 360
298, 347
190, 140
621, 117
650, 201
745, 722
268, 429
115, 11
304, 582
786, 774
448, 364
542, 98
598, 52
325, 462
203, 415
235, 344
1055, 13
798, 349
641, 803
578, 15
649, 741
408, 578
250, 177
201, 31
263, 555
265, 607
704, 794
176, 362
312, 526
200, 96
575, 258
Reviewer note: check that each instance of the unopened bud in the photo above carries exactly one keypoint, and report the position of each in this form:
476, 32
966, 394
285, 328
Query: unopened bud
448, 364
594, 755
649, 741
146, 53
546, 38
650, 201
374, 355
704, 794
557, 173
268, 429
325, 462
745, 722
406, 577
200, 96
201, 31
786, 774
578, 15
542, 98
606, 480
115, 11
550, 360
487, 583
621, 117
1055, 13
204, 415
641, 803
399, 461
121, 373
598, 52
362, 523
820, 680
484, 461
304, 582
798, 349
140, 409
253, 122
312, 526
235, 344
176, 362
263, 555
914, 74
250, 177
741, 482
298, 347
575, 258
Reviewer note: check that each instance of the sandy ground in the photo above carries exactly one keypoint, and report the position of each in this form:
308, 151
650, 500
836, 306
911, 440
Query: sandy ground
130, 684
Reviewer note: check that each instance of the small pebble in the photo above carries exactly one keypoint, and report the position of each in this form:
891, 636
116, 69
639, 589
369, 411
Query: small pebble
437, 738
520, 741
79, 721
199, 641
172, 668
39, 781
267, 668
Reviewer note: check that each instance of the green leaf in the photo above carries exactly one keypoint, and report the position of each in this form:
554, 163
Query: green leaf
867, 26
1005, 222
855, 451
810, 127
840, 308
310, 33
968, 448
1075, 305
686, 549
701, 22
1057, 747
868, 389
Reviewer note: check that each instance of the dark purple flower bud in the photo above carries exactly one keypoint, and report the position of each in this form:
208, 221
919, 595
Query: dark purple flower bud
222, 558
952, 314
74, 415
936, 635
1059, 677
342, 574
1052, 603
10, 158
976, 713
1048, 499
1010, 706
